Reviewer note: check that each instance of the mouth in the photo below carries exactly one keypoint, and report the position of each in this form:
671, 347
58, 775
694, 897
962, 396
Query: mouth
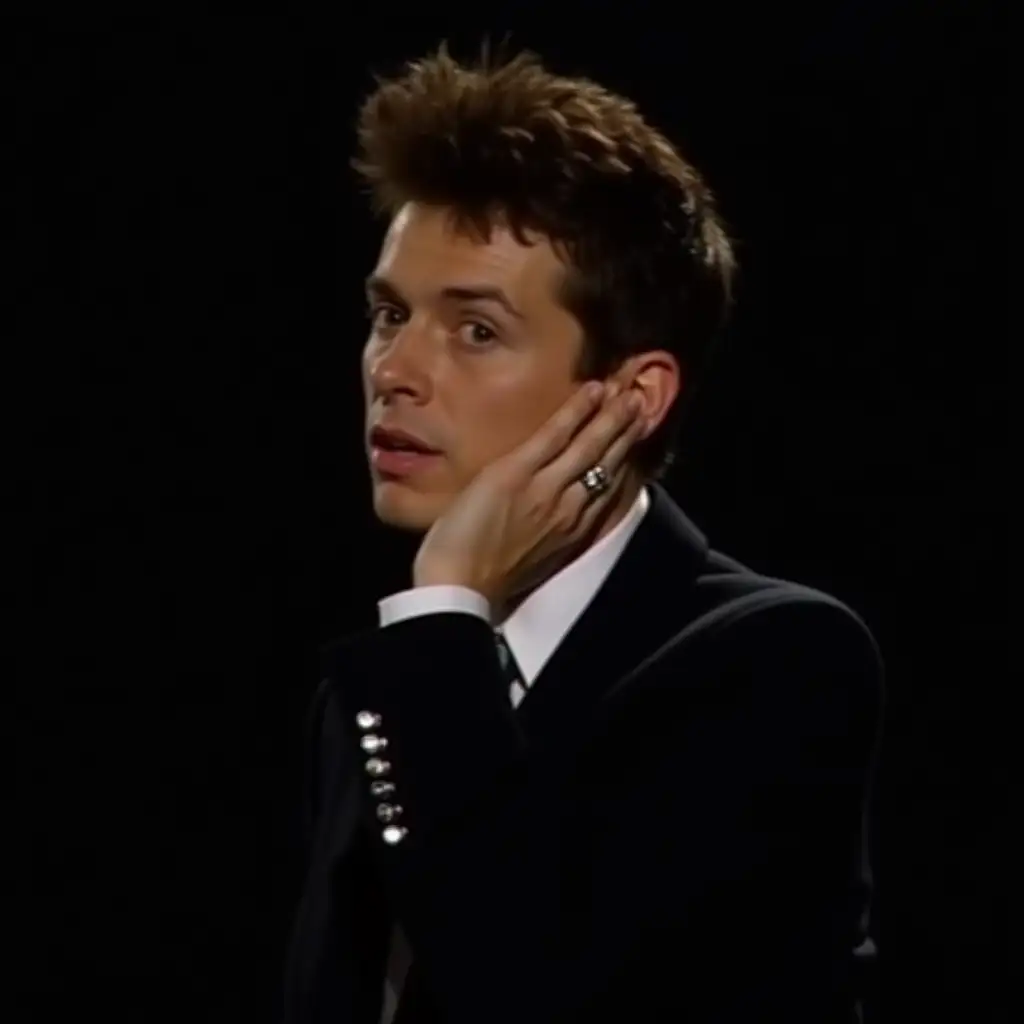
398, 454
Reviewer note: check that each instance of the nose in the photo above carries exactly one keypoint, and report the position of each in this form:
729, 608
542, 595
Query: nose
398, 365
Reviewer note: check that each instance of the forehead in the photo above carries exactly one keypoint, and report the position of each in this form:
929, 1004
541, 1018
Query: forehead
425, 249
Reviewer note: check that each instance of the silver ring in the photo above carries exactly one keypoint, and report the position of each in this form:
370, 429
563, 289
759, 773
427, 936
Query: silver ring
595, 480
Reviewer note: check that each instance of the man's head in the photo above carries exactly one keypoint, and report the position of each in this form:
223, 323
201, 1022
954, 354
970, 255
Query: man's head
541, 235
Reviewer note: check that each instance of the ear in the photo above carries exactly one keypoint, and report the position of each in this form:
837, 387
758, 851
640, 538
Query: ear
657, 377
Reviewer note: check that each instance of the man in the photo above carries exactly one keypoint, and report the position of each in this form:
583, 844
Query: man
587, 768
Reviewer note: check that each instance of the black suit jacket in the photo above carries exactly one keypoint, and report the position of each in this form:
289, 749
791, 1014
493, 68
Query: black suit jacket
670, 827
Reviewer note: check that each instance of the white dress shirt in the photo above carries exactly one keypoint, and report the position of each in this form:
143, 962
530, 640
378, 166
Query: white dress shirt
533, 631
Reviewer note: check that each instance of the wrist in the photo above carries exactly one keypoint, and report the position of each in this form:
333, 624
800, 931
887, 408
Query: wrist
428, 575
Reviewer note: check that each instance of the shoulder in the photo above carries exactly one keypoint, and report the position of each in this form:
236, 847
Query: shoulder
760, 673
755, 641
751, 615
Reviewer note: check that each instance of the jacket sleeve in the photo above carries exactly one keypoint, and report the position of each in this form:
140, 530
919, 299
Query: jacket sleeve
696, 854
334, 968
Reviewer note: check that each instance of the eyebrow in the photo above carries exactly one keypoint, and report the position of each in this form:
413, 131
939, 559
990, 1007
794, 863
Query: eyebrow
377, 286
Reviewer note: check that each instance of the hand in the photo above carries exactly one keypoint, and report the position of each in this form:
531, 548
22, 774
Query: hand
525, 515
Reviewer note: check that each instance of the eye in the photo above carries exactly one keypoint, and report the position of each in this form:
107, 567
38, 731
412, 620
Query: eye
383, 315
477, 334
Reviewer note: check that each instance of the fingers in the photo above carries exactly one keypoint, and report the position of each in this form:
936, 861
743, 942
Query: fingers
555, 436
615, 457
606, 439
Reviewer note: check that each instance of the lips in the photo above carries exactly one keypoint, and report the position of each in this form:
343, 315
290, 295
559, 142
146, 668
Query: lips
398, 455
396, 439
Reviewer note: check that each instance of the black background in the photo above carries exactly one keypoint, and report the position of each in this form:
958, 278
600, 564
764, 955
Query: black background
192, 501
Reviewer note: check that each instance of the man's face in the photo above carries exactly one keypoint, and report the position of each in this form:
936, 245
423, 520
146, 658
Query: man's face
469, 350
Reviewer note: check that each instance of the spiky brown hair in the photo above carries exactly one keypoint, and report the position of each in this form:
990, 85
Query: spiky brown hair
649, 263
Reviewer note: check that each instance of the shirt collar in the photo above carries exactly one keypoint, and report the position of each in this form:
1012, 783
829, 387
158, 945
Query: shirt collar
535, 629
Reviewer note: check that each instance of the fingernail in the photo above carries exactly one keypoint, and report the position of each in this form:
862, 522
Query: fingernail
594, 390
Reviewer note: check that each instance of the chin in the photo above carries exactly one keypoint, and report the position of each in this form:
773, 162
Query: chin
403, 508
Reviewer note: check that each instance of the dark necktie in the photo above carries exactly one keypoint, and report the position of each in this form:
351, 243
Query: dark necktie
509, 669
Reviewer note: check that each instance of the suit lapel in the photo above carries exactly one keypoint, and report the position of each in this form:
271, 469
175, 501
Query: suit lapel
637, 609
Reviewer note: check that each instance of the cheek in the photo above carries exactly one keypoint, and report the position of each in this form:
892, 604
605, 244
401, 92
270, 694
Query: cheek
370, 353
501, 415
364, 375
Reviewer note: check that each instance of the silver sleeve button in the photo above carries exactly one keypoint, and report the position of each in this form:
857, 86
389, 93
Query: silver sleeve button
377, 767
373, 744
367, 720
394, 834
387, 813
